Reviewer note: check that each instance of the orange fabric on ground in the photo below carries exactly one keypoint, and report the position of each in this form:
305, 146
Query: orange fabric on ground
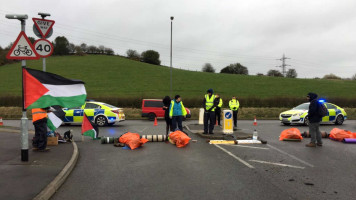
132, 140
291, 133
340, 134
179, 138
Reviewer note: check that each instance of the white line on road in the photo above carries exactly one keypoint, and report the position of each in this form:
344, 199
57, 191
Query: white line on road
279, 164
252, 147
232, 155
295, 158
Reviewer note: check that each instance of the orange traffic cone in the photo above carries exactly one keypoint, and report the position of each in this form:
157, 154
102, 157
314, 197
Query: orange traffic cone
255, 122
155, 123
216, 122
1, 123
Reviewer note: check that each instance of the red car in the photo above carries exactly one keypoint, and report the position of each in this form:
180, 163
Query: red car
152, 108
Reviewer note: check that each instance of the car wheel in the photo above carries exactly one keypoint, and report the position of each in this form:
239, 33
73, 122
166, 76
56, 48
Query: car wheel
286, 124
339, 120
101, 120
306, 121
151, 116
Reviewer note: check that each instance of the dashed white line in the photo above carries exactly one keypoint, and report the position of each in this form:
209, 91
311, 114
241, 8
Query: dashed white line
237, 158
295, 158
278, 164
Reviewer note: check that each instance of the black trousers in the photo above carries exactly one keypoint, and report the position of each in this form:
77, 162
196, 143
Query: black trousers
177, 120
234, 117
209, 117
168, 125
218, 115
40, 139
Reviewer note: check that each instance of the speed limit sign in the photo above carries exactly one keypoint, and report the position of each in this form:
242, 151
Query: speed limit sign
43, 47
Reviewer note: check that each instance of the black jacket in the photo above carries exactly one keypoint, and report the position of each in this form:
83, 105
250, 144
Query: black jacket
313, 113
166, 103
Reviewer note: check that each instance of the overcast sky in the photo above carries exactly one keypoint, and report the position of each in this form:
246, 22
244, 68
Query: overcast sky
319, 36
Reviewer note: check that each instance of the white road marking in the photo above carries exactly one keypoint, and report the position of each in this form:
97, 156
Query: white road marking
278, 164
295, 158
232, 155
252, 147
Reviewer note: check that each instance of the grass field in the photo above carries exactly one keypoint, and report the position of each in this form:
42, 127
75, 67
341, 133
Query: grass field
114, 76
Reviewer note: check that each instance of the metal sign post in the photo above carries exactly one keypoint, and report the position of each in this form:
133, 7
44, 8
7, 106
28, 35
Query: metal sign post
24, 120
43, 29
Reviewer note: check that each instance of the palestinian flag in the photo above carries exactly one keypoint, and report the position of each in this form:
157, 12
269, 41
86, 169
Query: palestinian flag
56, 118
43, 89
89, 128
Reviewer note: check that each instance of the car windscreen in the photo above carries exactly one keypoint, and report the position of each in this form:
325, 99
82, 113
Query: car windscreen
304, 106
154, 104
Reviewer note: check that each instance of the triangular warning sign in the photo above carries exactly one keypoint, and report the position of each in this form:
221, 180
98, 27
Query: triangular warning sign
43, 26
22, 49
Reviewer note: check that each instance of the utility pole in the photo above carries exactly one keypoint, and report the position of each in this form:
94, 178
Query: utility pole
284, 65
171, 56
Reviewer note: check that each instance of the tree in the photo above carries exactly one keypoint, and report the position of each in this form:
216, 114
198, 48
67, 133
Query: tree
92, 49
61, 46
101, 49
132, 54
291, 73
208, 68
151, 56
109, 51
84, 47
78, 50
71, 48
236, 68
331, 76
260, 74
353, 77
32, 40
275, 73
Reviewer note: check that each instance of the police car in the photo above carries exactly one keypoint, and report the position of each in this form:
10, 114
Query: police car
100, 113
299, 114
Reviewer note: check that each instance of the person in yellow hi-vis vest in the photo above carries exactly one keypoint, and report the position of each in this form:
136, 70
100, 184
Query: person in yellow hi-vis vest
234, 106
218, 108
209, 105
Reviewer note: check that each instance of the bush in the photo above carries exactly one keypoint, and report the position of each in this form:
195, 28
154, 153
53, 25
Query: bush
236, 68
291, 73
331, 76
275, 73
151, 56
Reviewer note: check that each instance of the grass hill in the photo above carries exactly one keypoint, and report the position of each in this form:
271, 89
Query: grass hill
114, 76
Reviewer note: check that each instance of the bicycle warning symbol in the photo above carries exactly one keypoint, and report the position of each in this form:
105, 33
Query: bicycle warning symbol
22, 49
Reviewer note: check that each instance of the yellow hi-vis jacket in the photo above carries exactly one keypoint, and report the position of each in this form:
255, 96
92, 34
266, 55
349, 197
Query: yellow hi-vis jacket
209, 102
234, 104
184, 112
220, 103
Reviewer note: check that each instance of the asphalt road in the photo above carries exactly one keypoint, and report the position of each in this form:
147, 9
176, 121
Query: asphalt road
278, 170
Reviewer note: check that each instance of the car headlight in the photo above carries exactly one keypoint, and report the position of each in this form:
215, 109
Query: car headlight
297, 114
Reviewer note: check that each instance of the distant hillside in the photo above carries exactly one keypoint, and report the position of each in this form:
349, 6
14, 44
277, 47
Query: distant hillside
114, 76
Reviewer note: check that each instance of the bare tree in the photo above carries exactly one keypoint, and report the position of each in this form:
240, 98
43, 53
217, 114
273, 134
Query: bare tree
207, 67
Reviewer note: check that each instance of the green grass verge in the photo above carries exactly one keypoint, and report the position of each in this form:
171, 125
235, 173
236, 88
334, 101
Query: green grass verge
114, 76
